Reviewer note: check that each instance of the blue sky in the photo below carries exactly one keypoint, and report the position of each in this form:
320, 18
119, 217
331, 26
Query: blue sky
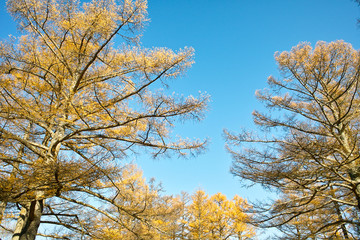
234, 41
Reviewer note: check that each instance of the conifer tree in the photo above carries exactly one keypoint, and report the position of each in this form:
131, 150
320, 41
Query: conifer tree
73, 100
308, 148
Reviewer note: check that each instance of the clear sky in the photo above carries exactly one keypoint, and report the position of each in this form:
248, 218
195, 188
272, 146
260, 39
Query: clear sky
234, 41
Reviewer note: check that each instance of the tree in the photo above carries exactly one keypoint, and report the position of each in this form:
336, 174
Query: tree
227, 218
199, 214
124, 206
216, 217
129, 209
306, 225
309, 150
73, 100
174, 226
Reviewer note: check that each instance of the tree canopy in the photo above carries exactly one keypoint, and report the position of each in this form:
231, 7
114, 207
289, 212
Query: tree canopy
74, 101
308, 151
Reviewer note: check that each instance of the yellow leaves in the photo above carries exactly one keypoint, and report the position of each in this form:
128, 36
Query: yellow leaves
133, 209
216, 217
110, 233
164, 217
326, 59
320, 83
120, 131
278, 99
99, 17
89, 103
64, 79
127, 130
137, 10
35, 9
155, 61
102, 18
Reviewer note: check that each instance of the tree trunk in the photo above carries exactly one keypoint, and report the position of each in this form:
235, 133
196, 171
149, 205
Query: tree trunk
15, 169
355, 176
29, 221
2, 210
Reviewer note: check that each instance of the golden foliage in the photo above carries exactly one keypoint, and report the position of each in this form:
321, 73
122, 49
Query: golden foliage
73, 99
309, 151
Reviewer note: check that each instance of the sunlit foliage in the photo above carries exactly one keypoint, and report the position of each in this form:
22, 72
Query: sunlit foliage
123, 205
216, 217
73, 99
309, 151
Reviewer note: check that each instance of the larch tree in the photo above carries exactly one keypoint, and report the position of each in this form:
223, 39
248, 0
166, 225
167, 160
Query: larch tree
121, 205
199, 214
173, 226
227, 218
216, 217
309, 147
129, 208
306, 225
73, 100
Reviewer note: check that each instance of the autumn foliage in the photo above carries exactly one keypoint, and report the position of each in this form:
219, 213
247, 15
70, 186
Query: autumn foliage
309, 147
74, 102
125, 206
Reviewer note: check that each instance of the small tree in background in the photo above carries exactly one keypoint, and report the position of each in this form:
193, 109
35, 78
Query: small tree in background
216, 217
